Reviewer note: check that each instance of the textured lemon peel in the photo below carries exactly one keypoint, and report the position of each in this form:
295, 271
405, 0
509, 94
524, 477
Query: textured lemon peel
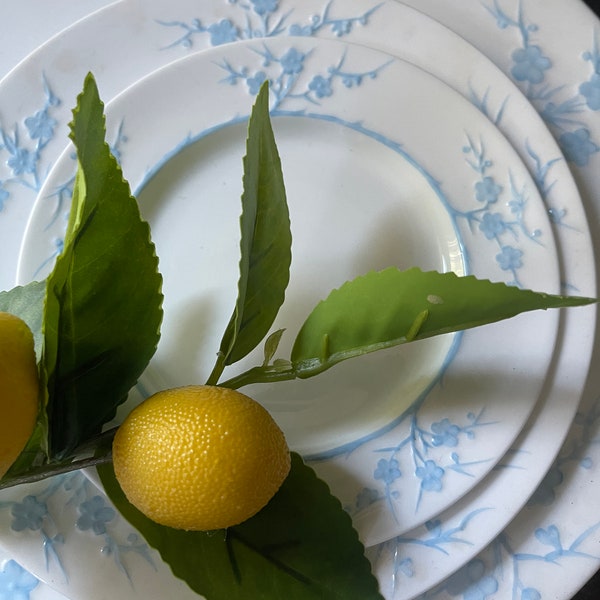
200, 457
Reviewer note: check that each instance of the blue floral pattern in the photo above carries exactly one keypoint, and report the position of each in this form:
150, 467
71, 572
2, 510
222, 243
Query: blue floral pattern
33, 516
530, 66
15, 582
261, 19
437, 537
487, 574
284, 83
471, 582
505, 229
95, 515
429, 470
23, 148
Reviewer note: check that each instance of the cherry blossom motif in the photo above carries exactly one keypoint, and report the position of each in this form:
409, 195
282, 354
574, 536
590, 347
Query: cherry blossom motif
15, 582
530, 64
472, 583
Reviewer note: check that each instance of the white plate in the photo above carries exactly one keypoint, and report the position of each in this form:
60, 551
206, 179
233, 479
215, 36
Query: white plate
370, 193
410, 45
21, 584
551, 548
360, 116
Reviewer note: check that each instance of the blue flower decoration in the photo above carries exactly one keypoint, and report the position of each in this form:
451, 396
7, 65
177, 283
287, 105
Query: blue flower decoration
15, 582
320, 86
530, 594
487, 190
28, 514
577, 146
530, 64
41, 126
471, 582
549, 537
255, 82
22, 161
434, 526
342, 27
366, 497
387, 470
95, 515
510, 258
492, 225
300, 30
292, 62
405, 566
431, 476
445, 433
262, 7
545, 494
591, 91
222, 32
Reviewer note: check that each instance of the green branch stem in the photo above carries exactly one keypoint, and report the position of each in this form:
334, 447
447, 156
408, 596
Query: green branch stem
264, 374
51, 470
98, 450
218, 369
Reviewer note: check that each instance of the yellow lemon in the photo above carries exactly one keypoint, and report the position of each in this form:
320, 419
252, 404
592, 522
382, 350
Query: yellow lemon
18, 388
200, 457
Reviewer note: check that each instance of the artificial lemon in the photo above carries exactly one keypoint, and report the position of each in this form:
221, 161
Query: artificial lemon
200, 457
18, 388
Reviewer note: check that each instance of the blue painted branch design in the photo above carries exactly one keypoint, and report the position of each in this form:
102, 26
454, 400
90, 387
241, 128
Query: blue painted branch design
262, 19
484, 576
289, 67
33, 515
417, 448
488, 573
576, 451
23, 147
434, 535
491, 218
562, 112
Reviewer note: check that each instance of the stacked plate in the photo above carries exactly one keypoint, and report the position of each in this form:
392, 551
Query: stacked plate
460, 138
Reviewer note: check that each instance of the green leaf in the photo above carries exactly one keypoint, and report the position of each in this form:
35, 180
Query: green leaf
391, 307
301, 546
271, 345
103, 299
265, 239
27, 303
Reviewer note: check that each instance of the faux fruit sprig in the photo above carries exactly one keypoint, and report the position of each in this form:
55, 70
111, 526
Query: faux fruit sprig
204, 457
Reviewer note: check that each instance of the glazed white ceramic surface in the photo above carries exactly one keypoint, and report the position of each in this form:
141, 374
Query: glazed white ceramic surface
368, 195
551, 548
496, 103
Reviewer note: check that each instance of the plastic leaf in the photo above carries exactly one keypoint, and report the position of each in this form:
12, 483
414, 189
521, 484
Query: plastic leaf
390, 307
265, 239
103, 299
301, 546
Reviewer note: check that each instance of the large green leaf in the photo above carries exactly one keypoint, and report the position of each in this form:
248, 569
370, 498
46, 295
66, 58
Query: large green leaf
391, 307
301, 546
265, 239
103, 299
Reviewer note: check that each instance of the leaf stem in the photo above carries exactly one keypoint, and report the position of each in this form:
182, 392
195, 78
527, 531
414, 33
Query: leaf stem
267, 374
98, 450
218, 369
41, 473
